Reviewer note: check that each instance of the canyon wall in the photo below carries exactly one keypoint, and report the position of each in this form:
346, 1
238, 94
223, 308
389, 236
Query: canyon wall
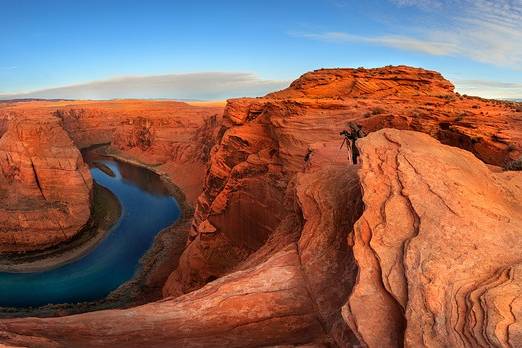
172, 138
264, 142
44, 184
287, 293
292, 245
435, 263
437, 247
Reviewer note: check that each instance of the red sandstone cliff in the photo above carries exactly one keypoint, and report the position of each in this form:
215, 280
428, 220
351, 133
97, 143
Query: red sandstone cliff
418, 246
44, 184
436, 250
264, 142
174, 138
437, 247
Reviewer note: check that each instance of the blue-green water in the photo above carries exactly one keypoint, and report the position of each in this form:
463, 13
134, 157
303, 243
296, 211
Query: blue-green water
146, 210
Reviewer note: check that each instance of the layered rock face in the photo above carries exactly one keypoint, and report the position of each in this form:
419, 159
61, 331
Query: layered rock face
437, 247
408, 98
44, 184
436, 251
287, 293
174, 138
291, 245
264, 142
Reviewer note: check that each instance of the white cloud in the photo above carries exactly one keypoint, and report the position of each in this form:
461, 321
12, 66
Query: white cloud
203, 86
487, 31
424, 4
395, 41
489, 89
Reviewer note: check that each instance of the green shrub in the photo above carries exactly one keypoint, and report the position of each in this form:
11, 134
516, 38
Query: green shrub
514, 165
377, 110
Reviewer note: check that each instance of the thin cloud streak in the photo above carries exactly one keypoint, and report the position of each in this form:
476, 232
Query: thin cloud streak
395, 41
423, 4
489, 89
487, 31
202, 86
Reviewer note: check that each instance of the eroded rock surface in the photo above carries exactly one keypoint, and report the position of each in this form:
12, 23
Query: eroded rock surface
288, 293
44, 184
273, 258
173, 138
437, 247
265, 141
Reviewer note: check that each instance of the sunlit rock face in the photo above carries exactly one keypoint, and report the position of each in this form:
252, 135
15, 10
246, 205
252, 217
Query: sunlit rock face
264, 142
173, 137
437, 247
292, 245
44, 184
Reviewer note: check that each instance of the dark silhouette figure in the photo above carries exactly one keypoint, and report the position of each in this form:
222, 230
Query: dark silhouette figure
350, 136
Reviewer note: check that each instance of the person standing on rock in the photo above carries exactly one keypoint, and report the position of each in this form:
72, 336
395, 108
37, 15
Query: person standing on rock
350, 136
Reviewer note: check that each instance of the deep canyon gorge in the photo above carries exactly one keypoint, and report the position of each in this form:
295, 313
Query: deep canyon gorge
281, 240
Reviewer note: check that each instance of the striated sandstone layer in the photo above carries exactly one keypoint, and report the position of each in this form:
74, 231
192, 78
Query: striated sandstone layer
170, 137
273, 258
265, 141
436, 250
438, 247
44, 184
289, 292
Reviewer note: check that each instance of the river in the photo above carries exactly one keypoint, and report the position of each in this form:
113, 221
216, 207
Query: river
147, 208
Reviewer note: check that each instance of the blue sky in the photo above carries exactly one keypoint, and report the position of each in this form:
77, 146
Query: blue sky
219, 49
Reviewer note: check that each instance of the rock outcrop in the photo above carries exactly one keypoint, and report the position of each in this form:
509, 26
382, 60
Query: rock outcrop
289, 292
44, 184
437, 247
291, 245
264, 142
173, 138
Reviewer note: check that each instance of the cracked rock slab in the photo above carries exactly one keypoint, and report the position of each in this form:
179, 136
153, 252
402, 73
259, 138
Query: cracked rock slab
438, 247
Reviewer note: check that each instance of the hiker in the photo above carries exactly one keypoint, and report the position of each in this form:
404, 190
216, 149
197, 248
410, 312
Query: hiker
350, 136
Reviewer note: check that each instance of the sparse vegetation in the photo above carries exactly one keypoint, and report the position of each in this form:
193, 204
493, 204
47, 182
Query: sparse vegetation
460, 116
498, 138
514, 165
476, 139
377, 110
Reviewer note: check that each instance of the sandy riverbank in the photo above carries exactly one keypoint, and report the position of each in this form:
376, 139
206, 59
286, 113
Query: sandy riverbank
155, 266
105, 212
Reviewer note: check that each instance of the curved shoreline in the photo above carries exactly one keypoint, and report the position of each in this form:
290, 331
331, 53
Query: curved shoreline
154, 267
106, 212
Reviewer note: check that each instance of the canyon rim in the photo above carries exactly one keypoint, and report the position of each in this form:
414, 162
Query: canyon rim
288, 242
249, 174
